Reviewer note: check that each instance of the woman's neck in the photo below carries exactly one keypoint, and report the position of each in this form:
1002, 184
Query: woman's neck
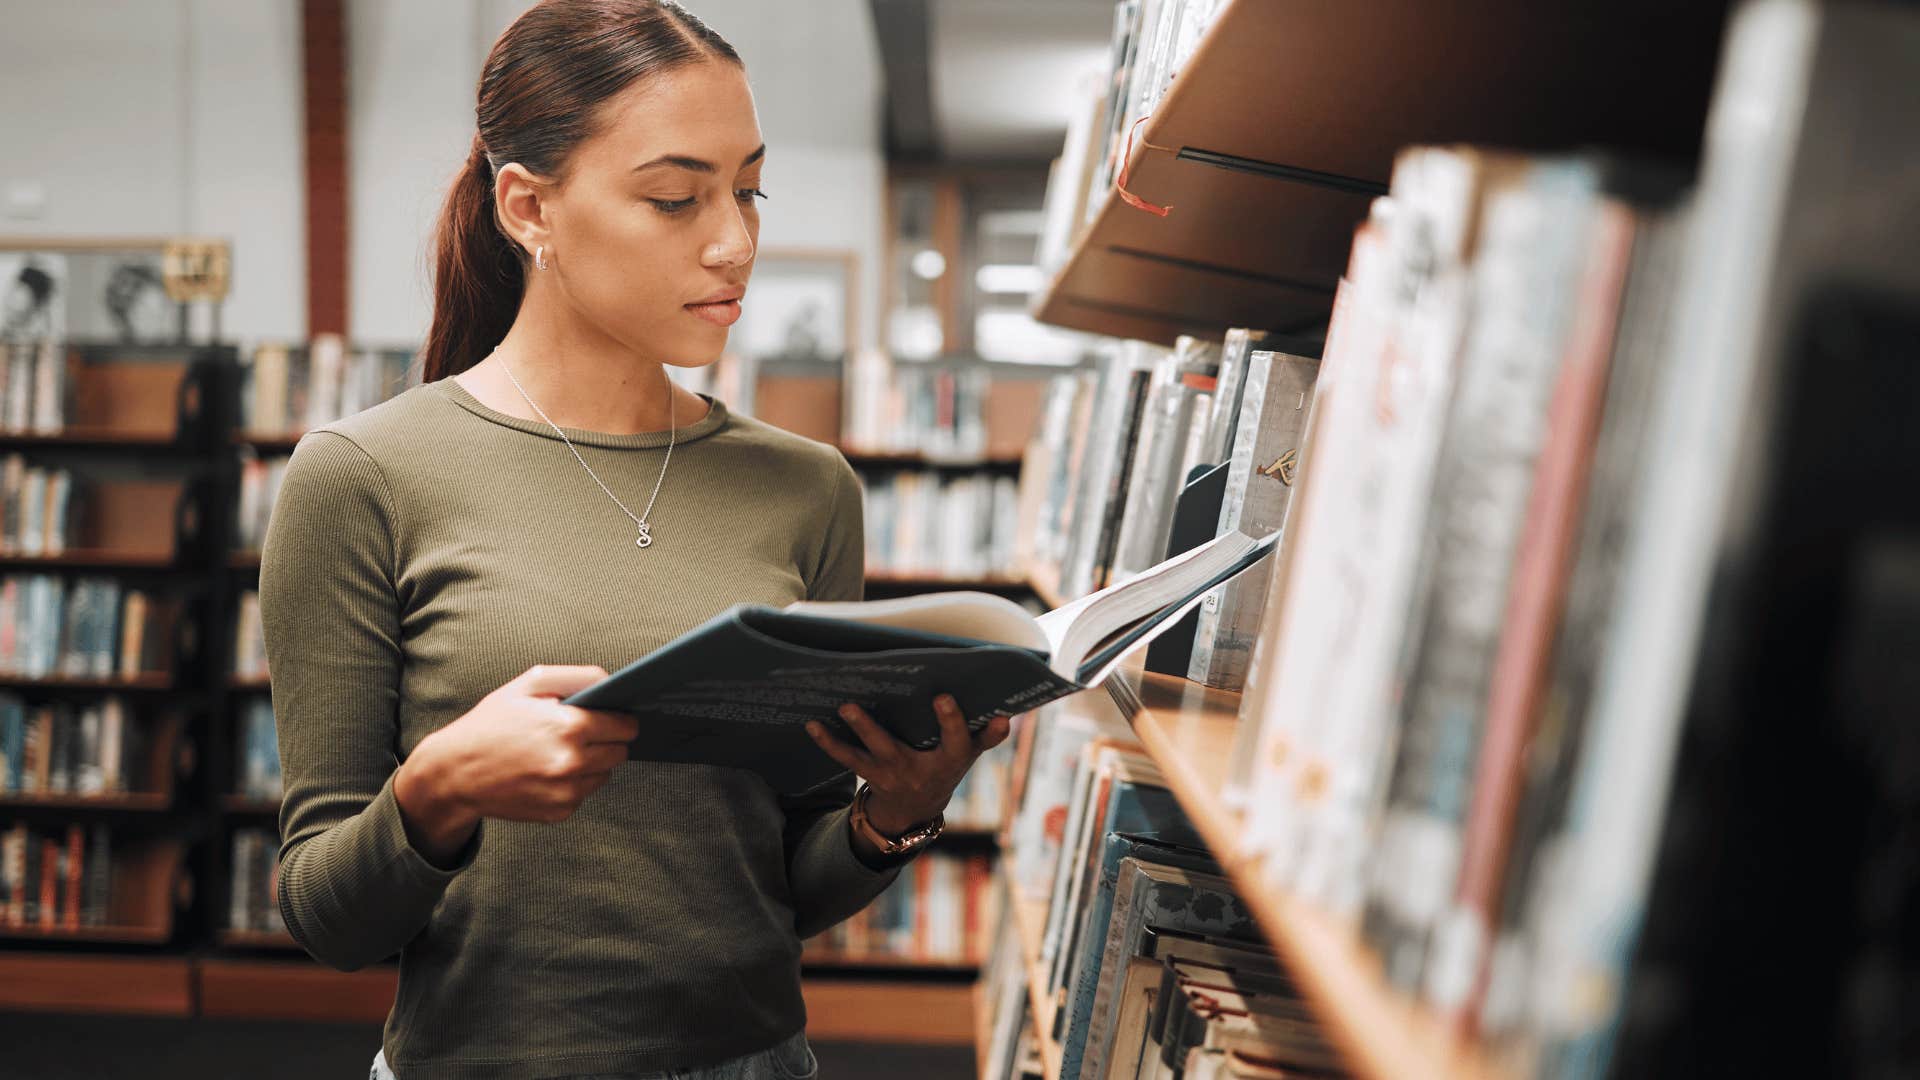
583, 381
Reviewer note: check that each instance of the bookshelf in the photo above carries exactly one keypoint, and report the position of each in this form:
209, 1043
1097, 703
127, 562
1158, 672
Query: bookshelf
1283, 124
1029, 917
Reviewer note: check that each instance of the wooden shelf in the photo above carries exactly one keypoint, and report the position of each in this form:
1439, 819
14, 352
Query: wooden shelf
1029, 921
144, 801
256, 939
295, 990
114, 935
1283, 125
70, 983
244, 560
81, 437
920, 1014
886, 962
1188, 729
150, 680
264, 443
91, 560
249, 684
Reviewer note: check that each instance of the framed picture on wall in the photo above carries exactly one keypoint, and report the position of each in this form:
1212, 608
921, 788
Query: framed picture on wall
799, 307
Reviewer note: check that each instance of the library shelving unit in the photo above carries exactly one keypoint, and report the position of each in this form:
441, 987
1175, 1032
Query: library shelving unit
1283, 125
137, 431
1267, 149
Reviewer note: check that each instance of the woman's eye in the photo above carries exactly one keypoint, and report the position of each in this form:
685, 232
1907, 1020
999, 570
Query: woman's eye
673, 206
747, 194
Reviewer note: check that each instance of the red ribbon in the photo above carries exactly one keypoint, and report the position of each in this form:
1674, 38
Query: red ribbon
1126, 166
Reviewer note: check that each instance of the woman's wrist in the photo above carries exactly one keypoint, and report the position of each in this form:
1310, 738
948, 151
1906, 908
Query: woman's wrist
438, 825
890, 817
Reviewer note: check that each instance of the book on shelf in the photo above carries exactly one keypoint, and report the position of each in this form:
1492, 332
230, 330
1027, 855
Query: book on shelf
738, 689
53, 879
249, 638
259, 751
1277, 401
939, 411
89, 627
37, 395
64, 748
1171, 443
1100, 458
253, 899
1134, 897
259, 487
287, 389
36, 508
939, 910
930, 523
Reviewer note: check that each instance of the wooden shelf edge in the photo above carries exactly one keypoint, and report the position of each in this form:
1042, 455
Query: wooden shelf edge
918, 1014
1188, 730
1029, 920
879, 961
87, 983
141, 800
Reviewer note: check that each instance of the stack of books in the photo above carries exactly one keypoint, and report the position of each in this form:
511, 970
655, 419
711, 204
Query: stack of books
57, 748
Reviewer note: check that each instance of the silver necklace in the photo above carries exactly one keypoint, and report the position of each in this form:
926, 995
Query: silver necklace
646, 533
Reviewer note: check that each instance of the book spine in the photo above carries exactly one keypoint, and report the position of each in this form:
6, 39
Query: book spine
1494, 433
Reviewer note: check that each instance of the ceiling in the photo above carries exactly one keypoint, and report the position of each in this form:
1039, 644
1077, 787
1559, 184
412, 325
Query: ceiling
986, 80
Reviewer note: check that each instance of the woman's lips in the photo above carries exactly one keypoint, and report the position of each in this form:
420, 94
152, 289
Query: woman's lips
725, 313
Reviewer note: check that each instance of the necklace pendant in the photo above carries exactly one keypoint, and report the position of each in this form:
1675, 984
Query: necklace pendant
646, 536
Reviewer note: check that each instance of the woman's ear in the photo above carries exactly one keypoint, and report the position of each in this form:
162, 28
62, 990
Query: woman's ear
520, 202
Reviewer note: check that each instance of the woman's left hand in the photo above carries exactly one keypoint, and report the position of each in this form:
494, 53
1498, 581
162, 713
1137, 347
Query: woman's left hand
909, 786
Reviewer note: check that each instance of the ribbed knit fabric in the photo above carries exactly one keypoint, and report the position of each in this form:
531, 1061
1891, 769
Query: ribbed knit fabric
427, 550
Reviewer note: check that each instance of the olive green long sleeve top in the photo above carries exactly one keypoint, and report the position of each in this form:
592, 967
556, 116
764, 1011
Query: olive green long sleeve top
425, 551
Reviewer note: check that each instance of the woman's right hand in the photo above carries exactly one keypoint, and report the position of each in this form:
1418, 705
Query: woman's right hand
520, 754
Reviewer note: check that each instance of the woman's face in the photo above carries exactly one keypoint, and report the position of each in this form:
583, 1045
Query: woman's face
659, 212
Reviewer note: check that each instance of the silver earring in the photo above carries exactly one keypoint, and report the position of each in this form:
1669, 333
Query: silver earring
540, 257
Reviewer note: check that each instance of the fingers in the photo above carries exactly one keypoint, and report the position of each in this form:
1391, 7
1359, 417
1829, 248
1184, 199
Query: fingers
601, 726
955, 741
559, 680
838, 750
992, 735
880, 744
602, 757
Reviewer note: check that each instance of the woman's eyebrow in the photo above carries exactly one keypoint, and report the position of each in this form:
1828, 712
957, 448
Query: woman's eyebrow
681, 161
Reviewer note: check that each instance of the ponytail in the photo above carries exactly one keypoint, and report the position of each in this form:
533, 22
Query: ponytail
477, 279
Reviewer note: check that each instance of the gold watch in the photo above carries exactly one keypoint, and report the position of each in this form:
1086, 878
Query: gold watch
912, 840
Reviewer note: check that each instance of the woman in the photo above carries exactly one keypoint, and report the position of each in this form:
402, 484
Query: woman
442, 568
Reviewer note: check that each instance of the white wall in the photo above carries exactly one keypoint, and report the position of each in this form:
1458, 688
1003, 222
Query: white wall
184, 116
161, 118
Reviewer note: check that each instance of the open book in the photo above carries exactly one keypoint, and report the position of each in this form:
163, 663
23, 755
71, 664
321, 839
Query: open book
738, 689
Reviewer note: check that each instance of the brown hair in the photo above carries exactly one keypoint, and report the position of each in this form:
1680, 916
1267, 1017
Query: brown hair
537, 99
